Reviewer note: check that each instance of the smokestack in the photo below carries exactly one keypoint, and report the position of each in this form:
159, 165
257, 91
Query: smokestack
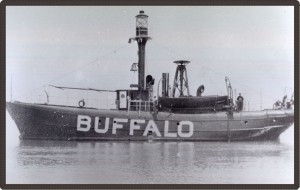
165, 85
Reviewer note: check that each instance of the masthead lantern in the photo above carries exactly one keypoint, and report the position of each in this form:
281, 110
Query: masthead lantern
141, 24
141, 38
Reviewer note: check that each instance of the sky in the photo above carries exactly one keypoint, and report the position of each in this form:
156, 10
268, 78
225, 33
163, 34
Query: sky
88, 47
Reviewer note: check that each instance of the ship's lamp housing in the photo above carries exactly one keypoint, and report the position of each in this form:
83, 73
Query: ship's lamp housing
141, 24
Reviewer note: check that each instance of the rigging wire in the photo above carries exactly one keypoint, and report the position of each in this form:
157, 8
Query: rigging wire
90, 63
74, 70
170, 50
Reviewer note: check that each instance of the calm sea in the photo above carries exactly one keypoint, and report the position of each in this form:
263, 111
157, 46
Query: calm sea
59, 162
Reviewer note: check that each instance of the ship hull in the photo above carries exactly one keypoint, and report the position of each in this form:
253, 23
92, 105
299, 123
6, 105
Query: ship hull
51, 122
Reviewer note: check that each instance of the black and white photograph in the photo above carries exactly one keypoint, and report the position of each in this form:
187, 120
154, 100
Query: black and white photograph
150, 94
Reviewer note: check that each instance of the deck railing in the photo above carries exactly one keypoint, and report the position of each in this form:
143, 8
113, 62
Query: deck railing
140, 105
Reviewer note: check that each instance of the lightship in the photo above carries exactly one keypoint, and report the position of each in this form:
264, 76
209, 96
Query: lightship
173, 115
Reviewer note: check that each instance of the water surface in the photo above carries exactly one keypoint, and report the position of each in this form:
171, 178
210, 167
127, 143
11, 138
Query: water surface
69, 162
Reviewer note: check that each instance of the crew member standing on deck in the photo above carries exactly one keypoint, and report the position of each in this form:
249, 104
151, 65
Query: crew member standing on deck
240, 102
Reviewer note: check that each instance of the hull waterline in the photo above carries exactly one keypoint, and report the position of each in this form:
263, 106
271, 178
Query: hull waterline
52, 122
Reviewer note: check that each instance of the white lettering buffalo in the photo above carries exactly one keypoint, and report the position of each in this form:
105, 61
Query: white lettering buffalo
84, 124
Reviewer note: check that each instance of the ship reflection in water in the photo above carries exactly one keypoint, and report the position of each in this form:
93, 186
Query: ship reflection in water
63, 162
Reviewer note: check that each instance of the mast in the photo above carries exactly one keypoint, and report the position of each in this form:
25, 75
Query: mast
141, 38
181, 80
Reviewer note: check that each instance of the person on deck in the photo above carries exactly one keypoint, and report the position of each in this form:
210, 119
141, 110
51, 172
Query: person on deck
240, 102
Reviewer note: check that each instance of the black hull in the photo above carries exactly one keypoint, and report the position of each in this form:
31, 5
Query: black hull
50, 122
